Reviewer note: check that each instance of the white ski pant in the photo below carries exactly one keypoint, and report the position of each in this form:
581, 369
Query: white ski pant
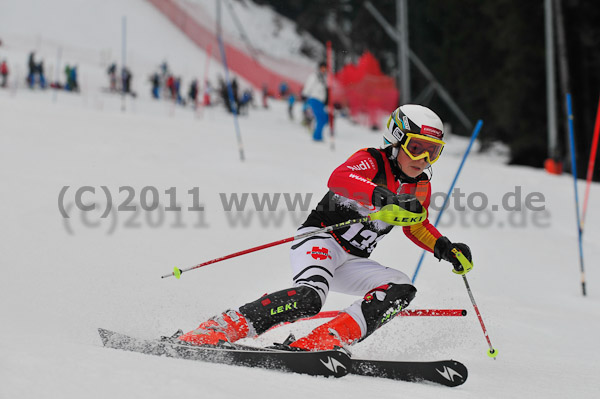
322, 264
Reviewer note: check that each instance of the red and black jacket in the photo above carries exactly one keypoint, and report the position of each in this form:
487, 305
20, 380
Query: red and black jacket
351, 188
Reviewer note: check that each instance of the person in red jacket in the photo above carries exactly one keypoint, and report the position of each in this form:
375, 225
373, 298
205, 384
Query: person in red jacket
3, 73
392, 180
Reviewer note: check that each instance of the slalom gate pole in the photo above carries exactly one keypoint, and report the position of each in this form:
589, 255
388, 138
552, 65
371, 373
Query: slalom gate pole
123, 57
591, 164
405, 313
178, 272
330, 93
232, 104
574, 170
439, 216
408, 312
202, 90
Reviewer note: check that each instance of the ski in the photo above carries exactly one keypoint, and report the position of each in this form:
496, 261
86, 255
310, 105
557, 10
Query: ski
332, 363
324, 363
445, 372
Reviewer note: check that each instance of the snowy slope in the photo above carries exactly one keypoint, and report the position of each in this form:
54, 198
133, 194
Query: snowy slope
93, 40
260, 29
63, 278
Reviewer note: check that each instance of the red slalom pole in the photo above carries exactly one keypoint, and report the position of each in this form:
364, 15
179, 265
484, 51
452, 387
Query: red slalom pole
408, 312
592, 162
405, 313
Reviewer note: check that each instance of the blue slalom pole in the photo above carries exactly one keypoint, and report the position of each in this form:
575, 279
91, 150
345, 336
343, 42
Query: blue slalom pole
574, 170
232, 104
439, 216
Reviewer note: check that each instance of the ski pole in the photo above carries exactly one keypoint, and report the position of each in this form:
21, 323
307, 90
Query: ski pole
177, 272
387, 215
467, 265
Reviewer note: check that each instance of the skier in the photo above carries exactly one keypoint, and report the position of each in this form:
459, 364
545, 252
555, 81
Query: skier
315, 91
390, 180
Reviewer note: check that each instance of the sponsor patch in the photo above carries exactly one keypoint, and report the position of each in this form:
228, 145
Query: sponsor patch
431, 131
319, 253
398, 134
360, 178
363, 165
405, 121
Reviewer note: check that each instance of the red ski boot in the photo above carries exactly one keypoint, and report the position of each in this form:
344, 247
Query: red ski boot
227, 327
342, 330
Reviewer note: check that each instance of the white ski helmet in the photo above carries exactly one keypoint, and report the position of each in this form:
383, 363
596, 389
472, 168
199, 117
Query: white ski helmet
412, 118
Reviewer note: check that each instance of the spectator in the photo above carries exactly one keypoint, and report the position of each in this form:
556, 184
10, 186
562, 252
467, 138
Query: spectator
231, 103
171, 86
68, 86
207, 93
4, 73
291, 101
165, 74
234, 89
39, 68
178, 98
265, 95
112, 75
31, 70
246, 101
155, 79
193, 93
283, 89
315, 91
73, 84
126, 80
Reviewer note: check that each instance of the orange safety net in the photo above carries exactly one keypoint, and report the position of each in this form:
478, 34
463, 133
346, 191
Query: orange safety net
365, 90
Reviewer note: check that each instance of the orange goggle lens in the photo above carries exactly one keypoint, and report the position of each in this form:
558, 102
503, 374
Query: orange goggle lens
418, 147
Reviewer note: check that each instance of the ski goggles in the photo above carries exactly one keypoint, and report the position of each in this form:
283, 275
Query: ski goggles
417, 146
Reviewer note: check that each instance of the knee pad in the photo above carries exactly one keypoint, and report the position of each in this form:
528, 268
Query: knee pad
383, 303
281, 306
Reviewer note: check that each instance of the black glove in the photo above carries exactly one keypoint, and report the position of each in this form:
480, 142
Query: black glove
443, 250
383, 196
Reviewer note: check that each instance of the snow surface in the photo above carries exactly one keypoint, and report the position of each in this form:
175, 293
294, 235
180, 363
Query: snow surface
64, 278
